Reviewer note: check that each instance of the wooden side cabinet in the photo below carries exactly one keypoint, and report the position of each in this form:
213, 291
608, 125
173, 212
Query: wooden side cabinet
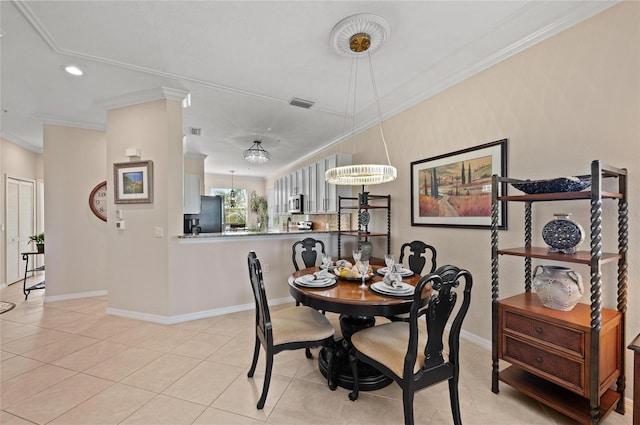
553, 345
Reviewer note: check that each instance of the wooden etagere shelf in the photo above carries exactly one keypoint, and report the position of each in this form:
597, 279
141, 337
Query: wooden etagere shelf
571, 361
364, 202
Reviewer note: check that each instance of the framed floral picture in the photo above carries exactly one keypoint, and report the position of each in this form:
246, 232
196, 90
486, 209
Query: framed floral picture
454, 189
133, 182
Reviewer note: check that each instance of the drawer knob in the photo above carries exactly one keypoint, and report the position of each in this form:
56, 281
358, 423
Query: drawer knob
539, 359
538, 330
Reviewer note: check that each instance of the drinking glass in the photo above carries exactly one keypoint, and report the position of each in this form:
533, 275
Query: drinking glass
357, 255
389, 261
363, 268
326, 261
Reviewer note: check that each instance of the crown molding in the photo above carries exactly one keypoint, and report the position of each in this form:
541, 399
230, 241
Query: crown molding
74, 124
144, 96
446, 80
20, 142
195, 155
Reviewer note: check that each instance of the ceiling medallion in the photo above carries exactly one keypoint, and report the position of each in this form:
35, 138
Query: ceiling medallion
374, 27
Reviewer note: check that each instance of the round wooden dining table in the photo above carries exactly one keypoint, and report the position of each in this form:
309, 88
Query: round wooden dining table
357, 308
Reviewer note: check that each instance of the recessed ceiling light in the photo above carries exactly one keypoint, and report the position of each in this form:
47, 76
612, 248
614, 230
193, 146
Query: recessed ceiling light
73, 70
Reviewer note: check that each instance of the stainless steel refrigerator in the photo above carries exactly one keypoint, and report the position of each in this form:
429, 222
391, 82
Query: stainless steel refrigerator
210, 219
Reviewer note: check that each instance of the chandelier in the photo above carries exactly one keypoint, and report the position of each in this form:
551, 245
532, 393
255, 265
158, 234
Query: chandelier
256, 154
357, 36
232, 193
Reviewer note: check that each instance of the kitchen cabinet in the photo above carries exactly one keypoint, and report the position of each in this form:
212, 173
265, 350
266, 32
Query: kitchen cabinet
328, 194
296, 182
318, 195
571, 361
311, 189
192, 192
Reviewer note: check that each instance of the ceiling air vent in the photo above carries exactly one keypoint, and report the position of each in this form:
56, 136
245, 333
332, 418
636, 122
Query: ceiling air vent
195, 131
306, 104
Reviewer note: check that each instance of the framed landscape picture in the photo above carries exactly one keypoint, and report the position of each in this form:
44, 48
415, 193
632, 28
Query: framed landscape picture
133, 182
454, 189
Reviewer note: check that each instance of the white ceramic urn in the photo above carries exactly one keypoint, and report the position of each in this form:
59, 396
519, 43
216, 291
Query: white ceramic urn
559, 288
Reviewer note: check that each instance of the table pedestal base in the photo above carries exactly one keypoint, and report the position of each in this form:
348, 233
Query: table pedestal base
369, 377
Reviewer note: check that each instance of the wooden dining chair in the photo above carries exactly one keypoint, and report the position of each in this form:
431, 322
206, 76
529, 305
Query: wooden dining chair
414, 358
417, 259
289, 329
307, 250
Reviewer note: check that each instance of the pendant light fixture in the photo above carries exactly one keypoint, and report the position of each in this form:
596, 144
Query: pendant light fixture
256, 154
358, 36
232, 193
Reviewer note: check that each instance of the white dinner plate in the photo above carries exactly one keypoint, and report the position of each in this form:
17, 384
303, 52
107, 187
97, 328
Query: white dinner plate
404, 272
311, 282
402, 289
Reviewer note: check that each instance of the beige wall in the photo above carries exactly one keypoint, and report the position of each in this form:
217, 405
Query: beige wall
75, 162
18, 162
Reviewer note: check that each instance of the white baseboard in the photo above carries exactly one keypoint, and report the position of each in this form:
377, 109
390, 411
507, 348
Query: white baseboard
53, 298
170, 320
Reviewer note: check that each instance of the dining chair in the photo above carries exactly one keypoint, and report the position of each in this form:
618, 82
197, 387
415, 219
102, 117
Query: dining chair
289, 329
416, 259
307, 250
412, 356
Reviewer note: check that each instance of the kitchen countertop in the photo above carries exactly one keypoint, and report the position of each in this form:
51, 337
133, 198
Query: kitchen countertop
235, 234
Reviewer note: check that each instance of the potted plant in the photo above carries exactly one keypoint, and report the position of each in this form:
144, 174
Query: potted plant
260, 207
38, 240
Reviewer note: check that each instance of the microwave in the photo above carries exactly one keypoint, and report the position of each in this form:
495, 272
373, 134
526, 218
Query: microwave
295, 204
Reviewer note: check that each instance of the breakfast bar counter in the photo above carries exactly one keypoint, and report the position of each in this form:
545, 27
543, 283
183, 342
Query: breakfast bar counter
249, 233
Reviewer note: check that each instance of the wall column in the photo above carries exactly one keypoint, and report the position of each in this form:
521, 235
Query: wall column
138, 255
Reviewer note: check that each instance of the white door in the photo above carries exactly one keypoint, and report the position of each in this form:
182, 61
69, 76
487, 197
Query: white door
20, 225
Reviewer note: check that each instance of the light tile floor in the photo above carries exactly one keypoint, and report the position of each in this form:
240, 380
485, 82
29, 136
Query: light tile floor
69, 363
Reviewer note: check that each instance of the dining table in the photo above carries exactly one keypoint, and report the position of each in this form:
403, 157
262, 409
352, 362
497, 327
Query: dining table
358, 308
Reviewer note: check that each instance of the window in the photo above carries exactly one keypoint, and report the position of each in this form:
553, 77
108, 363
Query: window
237, 216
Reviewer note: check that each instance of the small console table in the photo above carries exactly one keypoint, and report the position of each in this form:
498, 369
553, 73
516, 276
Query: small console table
40, 285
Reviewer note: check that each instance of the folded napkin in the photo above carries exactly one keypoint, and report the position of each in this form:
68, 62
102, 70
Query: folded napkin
322, 275
397, 268
392, 279
344, 264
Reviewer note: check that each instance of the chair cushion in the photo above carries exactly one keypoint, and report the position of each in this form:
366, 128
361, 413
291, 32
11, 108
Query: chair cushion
298, 324
387, 344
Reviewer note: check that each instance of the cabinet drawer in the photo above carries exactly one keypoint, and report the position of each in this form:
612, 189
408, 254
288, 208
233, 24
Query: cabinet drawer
556, 368
561, 338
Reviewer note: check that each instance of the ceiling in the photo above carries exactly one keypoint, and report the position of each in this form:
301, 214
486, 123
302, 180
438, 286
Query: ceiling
243, 61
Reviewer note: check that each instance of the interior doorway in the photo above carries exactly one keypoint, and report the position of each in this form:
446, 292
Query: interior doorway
20, 224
